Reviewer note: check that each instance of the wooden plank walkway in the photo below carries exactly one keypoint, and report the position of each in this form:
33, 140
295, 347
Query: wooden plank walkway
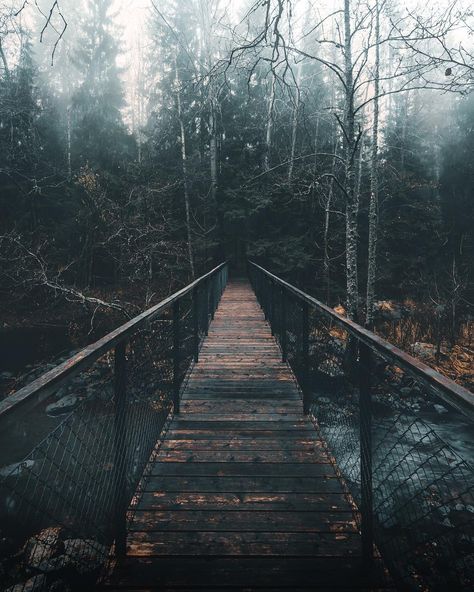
242, 494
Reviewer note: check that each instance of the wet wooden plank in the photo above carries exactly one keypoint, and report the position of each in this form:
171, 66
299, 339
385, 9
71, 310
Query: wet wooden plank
191, 406
243, 433
238, 468
276, 459
216, 418
247, 395
312, 544
258, 445
249, 573
163, 500
241, 424
244, 485
243, 520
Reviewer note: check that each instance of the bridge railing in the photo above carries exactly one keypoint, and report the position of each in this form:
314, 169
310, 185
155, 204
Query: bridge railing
397, 431
105, 410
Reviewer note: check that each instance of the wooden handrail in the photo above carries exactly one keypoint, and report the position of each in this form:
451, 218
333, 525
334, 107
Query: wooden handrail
446, 389
37, 391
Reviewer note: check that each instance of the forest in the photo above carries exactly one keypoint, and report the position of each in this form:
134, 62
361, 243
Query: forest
236, 295
332, 142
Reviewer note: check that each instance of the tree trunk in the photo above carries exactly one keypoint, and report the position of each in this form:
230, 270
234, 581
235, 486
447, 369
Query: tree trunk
3, 57
184, 164
352, 204
374, 183
294, 127
327, 220
213, 151
69, 142
269, 126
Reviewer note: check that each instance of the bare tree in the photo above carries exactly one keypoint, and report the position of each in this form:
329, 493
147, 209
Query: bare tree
374, 180
184, 166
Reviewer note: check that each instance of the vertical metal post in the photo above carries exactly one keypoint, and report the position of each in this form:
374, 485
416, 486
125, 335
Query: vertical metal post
265, 299
305, 355
283, 336
120, 451
176, 354
365, 410
196, 323
271, 316
213, 296
206, 308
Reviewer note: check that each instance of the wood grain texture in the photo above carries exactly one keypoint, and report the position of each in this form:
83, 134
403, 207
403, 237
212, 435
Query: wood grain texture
242, 494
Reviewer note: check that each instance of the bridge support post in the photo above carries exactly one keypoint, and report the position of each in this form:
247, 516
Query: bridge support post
196, 323
283, 334
206, 309
365, 410
213, 282
120, 469
271, 316
265, 298
176, 354
305, 356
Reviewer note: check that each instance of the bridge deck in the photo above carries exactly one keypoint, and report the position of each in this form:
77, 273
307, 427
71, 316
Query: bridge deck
242, 494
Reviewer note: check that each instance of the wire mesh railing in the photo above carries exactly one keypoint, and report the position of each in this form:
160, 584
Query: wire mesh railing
64, 506
401, 434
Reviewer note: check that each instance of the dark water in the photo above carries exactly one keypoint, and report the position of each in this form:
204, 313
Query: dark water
27, 352
20, 346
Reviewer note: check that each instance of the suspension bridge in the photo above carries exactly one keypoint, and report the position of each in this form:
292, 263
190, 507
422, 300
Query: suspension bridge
230, 438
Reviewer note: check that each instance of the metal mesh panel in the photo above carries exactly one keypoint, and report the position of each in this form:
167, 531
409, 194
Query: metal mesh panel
382, 424
66, 502
59, 499
423, 489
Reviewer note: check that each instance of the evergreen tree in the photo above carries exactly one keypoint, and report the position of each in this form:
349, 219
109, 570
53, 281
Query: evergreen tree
410, 209
99, 134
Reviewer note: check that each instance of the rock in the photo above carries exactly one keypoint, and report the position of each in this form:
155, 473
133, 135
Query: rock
64, 405
43, 546
423, 350
60, 393
331, 368
34, 584
102, 392
83, 556
427, 351
59, 586
440, 409
17, 469
323, 400
405, 391
336, 345
388, 310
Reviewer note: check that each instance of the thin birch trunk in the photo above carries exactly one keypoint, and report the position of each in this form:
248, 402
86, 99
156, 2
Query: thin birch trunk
269, 126
213, 150
294, 127
3, 57
69, 142
352, 204
374, 183
327, 221
184, 163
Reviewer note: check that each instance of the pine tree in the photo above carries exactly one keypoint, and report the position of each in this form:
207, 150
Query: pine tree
99, 134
